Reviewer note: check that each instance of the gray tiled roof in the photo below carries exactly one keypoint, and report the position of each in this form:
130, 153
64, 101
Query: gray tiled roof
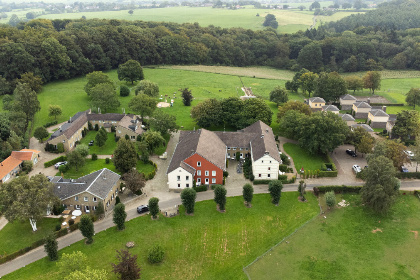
131, 122
70, 127
392, 117
330, 108
362, 104
346, 117
378, 113
264, 142
105, 117
98, 183
348, 97
203, 142
238, 139
365, 126
317, 99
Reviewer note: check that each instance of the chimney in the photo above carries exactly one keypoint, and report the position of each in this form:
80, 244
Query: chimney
384, 108
368, 100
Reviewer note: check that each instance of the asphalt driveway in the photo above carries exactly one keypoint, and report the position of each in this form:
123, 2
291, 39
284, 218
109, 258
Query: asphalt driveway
345, 162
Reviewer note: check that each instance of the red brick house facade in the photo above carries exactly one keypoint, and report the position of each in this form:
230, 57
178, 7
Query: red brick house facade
205, 172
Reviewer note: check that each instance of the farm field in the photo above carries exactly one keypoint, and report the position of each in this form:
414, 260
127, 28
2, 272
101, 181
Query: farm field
208, 245
350, 243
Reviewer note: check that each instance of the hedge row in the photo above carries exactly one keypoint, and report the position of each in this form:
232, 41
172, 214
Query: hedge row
152, 174
201, 188
386, 104
54, 161
408, 175
50, 124
338, 189
327, 173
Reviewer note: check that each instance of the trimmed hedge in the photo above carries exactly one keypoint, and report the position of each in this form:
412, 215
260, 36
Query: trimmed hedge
201, 188
50, 124
54, 161
327, 173
386, 104
261, 182
152, 174
408, 175
340, 189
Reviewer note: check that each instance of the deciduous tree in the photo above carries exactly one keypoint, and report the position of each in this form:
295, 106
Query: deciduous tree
354, 83
119, 216
330, 86
147, 87
130, 71
54, 111
86, 228
208, 113
330, 199
125, 155
134, 180
392, 150
104, 97
293, 105
279, 95
101, 137
40, 133
95, 78
248, 193
163, 122
413, 97
143, 105
188, 200
75, 159
367, 142
310, 57
153, 139
372, 81
82, 149
87, 274
33, 81
154, 207
26, 100
308, 82
127, 267
27, 199
51, 246
407, 125
220, 197
255, 109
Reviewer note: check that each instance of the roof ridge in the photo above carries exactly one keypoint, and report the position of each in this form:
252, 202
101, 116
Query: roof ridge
102, 171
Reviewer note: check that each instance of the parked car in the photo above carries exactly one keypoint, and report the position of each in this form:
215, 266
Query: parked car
404, 169
351, 153
142, 209
410, 154
356, 168
58, 164
91, 143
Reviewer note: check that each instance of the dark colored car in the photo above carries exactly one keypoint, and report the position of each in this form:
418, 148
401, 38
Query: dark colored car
142, 209
351, 153
91, 143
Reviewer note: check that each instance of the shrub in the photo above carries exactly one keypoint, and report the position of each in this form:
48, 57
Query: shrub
285, 159
154, 206
275, 187
340, 189
51, 246
248, 193
117, 200
220, 197
408, 175
94, 156
71, 222
57, 227
316, 191
124, 91
283, 167
155, 254
74, 227
107, 160
282, 178
86, 228
201, 188
60, 148
48, 124
96, 127
261, 182
188, 197
119, 216
251, 177
63, 168
225, 174
330, 198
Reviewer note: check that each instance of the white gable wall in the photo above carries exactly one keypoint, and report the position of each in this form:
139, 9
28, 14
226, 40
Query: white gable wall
180, 183
265, 166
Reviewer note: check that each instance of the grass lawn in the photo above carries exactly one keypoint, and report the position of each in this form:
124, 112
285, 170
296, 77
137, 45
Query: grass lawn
345, 246
144, 168
18, 235
208, 245
107, 149
303, 158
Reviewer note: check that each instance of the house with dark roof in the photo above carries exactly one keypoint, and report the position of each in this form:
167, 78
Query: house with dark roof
364, 126
86, 192
331, 108
71, 132
378, 118
316, 103
348, 119
201, 155
13, 164
347, 101
361, 109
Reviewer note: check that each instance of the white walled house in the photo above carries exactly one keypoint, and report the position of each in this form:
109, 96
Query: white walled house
265, 167
181, 178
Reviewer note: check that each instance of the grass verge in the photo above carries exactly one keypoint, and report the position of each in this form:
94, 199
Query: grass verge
302, 158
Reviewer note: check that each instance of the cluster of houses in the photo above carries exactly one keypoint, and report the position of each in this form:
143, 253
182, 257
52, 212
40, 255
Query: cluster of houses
376, 116
201, 155
71, 132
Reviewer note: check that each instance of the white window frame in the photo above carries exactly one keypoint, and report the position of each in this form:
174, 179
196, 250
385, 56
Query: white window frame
178, 178
213, 180
198, 163
206, 173
85, 198
206, 181
94, 199
77, 207
187, 178
199, 180
213, 173
198, 172
76, 198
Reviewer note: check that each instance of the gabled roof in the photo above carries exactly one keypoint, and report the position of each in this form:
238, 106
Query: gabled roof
105, 117
73, 125
132, 123
14, 160
264, 143
330, 108
22, 155
236, 139
361, 104
392, 117
203, 142
378, 113
98, 183
348, 97
365, 126
317, 100
346, 117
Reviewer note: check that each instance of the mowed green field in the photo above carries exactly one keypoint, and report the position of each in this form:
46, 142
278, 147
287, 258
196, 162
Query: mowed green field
208, 245
349, 243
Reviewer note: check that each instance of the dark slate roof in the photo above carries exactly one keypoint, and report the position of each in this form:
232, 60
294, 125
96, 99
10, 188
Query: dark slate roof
264, 143
392, 117
378, 113
346, 117
131, 122
365, 126
330, 108
239, 139
348, 97
105, 117
362, 104
70, 127
203, 142
98, 183
317, 99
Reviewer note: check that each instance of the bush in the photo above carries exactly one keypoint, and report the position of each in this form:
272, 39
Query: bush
285, 159
94, 156
275, 187
225, 174
107, 160
155, 254
262, 182
124, 91
58, 227
60, 148
96, 127
71, 222
61, 232
201, 188
408, 175
74, 227
330, 198
63, 168
117, 200
282, 177
220, 197
316, 191
48, 124
283, 167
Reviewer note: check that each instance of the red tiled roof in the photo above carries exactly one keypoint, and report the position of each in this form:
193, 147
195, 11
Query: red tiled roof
8, 165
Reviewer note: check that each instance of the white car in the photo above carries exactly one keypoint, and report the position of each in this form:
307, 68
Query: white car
58, 164
356, 168
410, 154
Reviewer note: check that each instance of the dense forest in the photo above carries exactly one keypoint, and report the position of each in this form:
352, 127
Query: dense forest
62, 49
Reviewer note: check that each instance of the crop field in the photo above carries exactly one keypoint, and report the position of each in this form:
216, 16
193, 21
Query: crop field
208, 245
349, 243
21, 13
